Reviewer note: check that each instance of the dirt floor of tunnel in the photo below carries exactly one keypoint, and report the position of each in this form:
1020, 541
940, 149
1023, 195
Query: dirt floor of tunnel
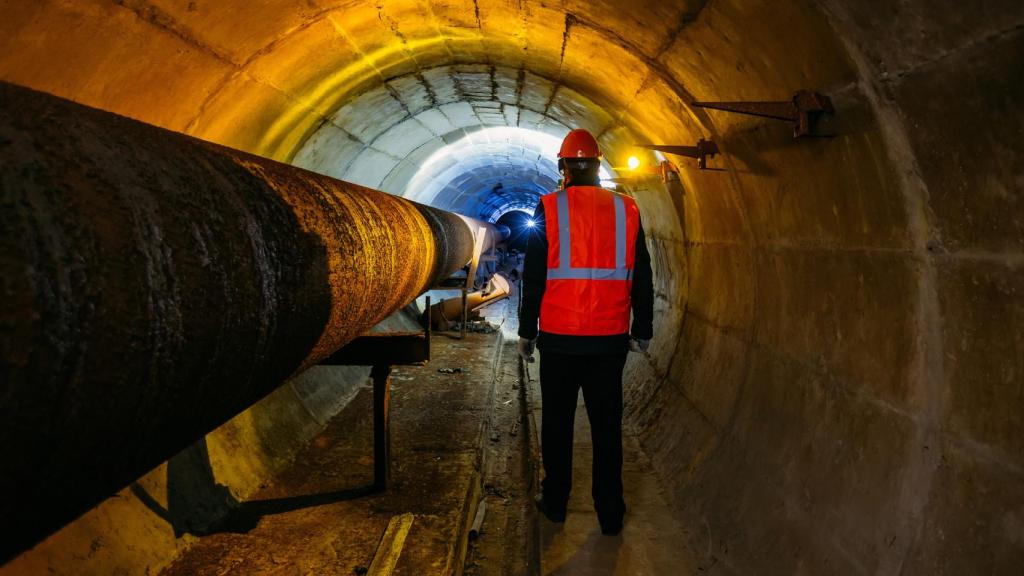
438, 421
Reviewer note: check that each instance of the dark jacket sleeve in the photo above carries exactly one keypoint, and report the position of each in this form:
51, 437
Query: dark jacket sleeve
535, 275
642, 294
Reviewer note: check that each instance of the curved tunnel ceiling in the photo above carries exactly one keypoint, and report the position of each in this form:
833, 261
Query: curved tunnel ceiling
401, 122
267, 75
424, 134
436, 137
818, 320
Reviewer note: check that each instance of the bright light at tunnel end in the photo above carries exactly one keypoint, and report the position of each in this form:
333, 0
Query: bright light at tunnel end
432, 182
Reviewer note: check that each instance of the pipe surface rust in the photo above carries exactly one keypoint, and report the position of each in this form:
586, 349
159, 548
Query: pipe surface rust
153, 286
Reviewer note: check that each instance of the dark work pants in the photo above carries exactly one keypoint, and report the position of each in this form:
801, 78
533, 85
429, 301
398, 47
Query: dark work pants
600, 377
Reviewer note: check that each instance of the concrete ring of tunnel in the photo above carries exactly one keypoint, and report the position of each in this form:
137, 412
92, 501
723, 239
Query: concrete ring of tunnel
202, 201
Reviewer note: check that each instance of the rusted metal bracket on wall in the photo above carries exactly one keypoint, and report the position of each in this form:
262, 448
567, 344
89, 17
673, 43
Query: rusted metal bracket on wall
381, 352
803, 110
665, 169
701, 151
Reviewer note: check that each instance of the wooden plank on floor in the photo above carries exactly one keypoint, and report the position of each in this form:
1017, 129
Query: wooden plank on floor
391, 544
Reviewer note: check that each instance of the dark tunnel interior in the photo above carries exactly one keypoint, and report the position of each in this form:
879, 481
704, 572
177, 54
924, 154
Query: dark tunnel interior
836, 382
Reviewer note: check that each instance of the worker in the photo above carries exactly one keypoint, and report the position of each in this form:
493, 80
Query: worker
586, 269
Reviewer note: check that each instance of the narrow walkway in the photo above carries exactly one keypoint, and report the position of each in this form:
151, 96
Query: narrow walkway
651, 542
437, 422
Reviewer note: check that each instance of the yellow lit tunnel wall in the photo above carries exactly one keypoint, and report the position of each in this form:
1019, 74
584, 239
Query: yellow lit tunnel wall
835, 384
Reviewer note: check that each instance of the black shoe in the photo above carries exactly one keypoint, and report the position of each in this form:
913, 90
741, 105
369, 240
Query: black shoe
549, 512
610, 518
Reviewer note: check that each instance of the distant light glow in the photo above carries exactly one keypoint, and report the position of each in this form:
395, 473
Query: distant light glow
495, 146
501, 148
530, 223
633, 162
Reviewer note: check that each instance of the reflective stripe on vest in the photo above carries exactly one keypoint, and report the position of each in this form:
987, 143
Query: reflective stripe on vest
565, 270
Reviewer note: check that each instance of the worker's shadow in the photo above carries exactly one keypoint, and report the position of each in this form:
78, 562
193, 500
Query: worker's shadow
565, 553
198, 505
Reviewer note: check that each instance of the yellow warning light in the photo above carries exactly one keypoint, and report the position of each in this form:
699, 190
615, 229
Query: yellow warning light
633, 162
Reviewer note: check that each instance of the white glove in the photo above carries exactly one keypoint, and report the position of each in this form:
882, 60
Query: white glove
637, 345
525, 348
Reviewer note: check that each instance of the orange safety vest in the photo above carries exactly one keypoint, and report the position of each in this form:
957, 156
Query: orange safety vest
591, 236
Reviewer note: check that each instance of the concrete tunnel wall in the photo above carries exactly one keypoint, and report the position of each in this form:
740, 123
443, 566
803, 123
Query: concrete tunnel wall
835, 382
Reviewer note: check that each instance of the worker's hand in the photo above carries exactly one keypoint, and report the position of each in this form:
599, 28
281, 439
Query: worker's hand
525, 348
637, 345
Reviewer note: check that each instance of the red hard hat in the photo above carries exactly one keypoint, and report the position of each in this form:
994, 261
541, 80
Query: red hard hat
579, 144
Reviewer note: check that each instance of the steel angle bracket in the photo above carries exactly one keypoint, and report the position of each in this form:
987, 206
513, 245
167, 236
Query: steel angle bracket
388, 349
701, 152
385, 348
803, 110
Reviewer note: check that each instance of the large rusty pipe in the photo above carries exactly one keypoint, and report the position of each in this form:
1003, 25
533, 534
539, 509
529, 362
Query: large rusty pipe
153, 285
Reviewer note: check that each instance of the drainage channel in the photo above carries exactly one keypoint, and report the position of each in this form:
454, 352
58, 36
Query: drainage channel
504, 539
